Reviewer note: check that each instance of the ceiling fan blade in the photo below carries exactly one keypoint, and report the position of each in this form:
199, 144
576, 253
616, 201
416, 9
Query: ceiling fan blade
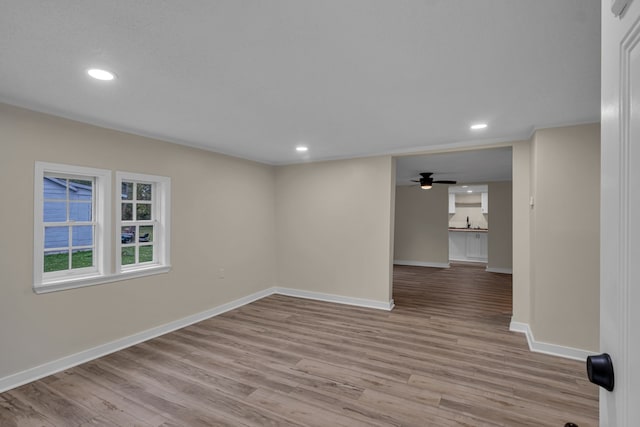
445, 182
415, 180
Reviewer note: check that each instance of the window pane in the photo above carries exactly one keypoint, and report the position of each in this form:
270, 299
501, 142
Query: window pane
55, 211
127, 191
56, 261
82, 258
127, 211
80, 189
143, 191
56, 237
146, 233
79, 211
146, 254
143, 211
82, 235
127, 234
128, 255
54, 188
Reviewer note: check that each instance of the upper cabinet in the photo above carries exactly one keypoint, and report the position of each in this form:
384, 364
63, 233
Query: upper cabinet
469, 206
484, 203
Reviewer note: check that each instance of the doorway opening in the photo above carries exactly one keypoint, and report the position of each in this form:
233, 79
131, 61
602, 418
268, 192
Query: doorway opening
433, 226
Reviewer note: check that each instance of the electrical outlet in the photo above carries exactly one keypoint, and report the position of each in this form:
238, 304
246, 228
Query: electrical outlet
221, 273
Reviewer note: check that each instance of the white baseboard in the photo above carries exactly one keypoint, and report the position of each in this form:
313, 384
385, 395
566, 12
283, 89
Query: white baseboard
499, 270
422, 264
546, 348
477, 261
358, 302
70, 361
50, 368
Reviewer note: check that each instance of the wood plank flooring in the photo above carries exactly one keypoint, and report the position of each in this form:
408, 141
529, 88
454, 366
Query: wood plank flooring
442, 357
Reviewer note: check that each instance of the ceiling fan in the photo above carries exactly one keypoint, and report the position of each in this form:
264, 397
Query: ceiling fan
426, 182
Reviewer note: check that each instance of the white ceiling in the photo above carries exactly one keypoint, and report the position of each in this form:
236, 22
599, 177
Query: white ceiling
345, 77
466, 167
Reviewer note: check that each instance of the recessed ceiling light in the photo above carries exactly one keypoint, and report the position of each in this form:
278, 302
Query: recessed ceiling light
469, 191
302, 148
478, 126
465, 186
99, 74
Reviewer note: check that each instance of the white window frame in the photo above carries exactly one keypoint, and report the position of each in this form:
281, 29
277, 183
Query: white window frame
46, 282
161, 203
103, 269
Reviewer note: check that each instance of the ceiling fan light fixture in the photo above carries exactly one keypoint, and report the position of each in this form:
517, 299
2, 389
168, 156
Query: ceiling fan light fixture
426, 181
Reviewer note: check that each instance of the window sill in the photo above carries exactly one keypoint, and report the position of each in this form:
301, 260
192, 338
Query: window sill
81, 282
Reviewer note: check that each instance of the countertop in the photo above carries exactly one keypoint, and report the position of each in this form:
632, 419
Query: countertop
466, 230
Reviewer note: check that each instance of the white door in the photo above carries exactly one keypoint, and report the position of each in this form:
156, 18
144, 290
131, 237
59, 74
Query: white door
620, 208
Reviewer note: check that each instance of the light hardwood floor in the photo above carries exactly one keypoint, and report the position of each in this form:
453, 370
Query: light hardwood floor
442, 357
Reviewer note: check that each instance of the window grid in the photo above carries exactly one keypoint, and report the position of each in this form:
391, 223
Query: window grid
138, 224
71, 233
73, 251
81, 223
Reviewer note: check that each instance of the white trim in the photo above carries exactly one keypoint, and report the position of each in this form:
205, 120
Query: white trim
547, 348
101, 213
339, 299
421, 263
64, 285
499, 270
161, 207
477, 261
522, 328
50, 368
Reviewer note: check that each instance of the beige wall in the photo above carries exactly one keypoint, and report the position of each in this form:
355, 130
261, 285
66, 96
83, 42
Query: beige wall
322, 227
334, 227
421, 225
223, 216
500, 230
565, 237
521, 167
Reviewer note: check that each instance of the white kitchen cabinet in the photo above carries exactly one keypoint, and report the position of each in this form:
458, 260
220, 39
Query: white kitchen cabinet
484, 206
477, 249
457, 245
452, 203
468, 246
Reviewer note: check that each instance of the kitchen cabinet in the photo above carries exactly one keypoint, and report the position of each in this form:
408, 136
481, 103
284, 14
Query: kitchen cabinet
457, 245
452, 203
468, 245
484, 203
477, 249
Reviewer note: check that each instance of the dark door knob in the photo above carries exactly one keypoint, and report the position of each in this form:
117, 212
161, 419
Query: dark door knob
600, 371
